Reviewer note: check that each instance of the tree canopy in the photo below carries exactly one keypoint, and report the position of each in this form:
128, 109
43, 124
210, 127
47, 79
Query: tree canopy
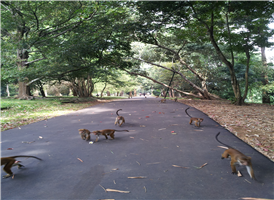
210, 46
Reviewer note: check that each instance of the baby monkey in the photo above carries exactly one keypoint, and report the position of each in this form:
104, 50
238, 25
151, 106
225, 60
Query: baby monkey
85, 134
237, 158
9, 162
119, 118
106, 132
196, 120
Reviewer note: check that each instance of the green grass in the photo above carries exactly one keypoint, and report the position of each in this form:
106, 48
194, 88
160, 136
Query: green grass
15, 113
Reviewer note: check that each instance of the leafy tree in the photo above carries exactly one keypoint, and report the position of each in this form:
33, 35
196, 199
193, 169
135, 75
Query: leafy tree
220, 22
69, 39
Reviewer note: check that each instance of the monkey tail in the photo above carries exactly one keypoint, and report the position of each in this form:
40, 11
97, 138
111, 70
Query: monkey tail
122, 130
216, 137
187, 113
117, 112
26, 157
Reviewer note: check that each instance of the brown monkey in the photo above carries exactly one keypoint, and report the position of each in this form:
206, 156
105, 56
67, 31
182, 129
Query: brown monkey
10, 162
85, 134
162, 100
119, 118
175, 99
157, 96
106, 132
237, 158
196, 120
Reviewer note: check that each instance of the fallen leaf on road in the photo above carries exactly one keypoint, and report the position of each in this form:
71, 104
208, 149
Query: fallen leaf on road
79, 159
203, 165
28, 142
9, 148
142, 126
250, 198
147, 116
223, 147
145, 188
153, 163
131, 137
161, 129
180, 166
137, 177
239, 174
113, 190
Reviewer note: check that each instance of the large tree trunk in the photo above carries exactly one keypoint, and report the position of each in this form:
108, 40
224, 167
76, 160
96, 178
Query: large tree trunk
22, 57
265, 94
81, 87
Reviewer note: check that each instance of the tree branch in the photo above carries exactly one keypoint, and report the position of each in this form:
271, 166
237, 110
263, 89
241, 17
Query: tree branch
185, 78
186, 93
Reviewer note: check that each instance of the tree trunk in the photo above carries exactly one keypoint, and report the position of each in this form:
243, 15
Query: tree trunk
40, 85
22, 57
230, 65
265, 94
8, 91
81, 87
103, 89
170, 93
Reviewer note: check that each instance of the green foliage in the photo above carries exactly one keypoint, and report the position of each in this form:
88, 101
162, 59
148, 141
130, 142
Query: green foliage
64, 90
13, 89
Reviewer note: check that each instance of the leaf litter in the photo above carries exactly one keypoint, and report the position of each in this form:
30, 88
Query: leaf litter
252, 123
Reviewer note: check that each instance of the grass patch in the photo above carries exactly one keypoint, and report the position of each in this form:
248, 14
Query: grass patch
21, 112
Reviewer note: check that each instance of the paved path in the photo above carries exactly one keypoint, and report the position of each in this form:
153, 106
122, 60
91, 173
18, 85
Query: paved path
150, 149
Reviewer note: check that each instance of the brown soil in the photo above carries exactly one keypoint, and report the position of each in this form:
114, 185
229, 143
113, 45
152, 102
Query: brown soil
252, 123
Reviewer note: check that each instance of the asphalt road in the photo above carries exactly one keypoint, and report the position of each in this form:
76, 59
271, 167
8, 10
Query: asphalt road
159, 140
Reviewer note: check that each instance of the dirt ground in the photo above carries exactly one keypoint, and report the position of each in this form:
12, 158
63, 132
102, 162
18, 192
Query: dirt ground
252, 123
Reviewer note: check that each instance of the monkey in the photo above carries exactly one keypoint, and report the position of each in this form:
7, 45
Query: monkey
119, 118
157, 96
162, 100
10, 162
196, 120
175, 99
237, 158
85, 134
106, 132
